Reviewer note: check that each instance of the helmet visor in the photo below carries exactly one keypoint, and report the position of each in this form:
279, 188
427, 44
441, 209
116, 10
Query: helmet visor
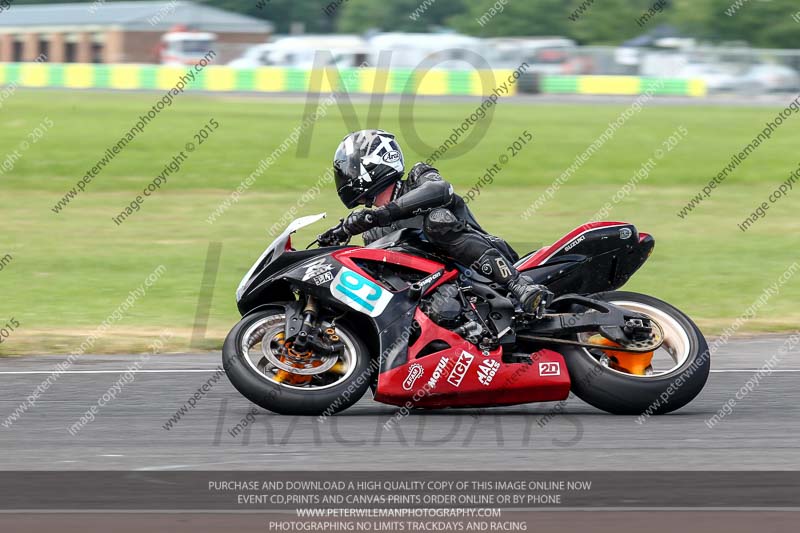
347, 172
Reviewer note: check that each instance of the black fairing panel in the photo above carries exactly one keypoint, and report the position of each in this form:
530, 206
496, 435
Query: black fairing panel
602, 261
270, 285
276, 283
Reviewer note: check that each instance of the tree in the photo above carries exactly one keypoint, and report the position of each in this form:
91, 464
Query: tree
692, 17
760, 23
615, 21
517, 18
359, 16
283, 13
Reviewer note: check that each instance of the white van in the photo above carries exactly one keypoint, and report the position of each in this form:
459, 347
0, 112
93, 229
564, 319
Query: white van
408, 50
299, 51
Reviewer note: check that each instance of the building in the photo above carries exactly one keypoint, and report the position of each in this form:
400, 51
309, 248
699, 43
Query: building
119, 32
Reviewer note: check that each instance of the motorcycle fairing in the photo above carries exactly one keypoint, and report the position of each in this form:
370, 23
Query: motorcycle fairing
463, 376
595, 257
272, 281
280, 245
389, 321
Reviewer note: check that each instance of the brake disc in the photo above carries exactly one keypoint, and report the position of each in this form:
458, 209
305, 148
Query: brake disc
300, 365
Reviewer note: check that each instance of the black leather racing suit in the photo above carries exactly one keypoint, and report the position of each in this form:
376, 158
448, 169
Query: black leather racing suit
426, 201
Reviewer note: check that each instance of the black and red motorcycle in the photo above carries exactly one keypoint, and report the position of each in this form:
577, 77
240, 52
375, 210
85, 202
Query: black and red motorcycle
320, 326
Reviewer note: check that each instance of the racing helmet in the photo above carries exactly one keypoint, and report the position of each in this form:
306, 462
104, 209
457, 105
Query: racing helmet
365, 163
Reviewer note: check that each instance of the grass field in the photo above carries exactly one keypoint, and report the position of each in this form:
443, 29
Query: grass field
69, 271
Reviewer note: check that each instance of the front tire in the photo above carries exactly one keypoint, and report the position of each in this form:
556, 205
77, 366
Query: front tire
622, 393
247, 371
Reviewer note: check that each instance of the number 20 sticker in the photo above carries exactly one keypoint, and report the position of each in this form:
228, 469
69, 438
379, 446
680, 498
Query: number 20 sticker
360, 293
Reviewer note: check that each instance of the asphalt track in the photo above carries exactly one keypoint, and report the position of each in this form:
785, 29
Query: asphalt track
762, 432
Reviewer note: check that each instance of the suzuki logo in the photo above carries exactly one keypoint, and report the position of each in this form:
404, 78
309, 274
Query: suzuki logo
574, 243
550, 369
460, 370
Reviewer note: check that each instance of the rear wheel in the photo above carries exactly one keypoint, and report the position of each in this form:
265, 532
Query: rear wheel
674, 377
263, 367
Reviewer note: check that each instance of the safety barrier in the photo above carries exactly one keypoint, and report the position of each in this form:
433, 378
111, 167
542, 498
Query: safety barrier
363, 80
622, 85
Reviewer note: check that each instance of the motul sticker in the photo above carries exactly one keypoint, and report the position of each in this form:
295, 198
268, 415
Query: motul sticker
460, 370
438, 372
415, 372
486, 371
550, 369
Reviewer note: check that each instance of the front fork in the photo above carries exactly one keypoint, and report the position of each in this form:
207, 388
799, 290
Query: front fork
309, 324
308, 336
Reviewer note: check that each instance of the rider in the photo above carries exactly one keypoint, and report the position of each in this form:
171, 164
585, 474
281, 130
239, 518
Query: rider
368, 167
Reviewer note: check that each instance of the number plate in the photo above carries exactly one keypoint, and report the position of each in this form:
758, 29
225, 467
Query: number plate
360, 293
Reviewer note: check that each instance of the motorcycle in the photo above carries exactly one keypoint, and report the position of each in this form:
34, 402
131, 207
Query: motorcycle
322, 325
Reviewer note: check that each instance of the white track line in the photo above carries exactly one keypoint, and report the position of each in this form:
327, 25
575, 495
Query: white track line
210, 369
750, 370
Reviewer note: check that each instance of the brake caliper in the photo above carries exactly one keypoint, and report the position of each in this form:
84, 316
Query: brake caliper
630, 362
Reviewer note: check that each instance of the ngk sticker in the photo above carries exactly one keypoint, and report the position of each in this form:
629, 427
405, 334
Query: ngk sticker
460, 370
550, 369
486, 371
415, 372
438, 372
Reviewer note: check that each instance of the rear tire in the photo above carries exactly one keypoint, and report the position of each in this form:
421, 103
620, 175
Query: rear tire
626, 394
292, 400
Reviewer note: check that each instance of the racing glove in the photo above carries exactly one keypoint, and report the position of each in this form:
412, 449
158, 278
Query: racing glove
363, 220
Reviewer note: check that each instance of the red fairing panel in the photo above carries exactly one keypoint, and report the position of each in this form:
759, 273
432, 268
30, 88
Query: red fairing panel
462, 376
543, 254
347, 256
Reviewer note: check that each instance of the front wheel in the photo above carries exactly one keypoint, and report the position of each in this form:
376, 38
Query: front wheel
677, 374
263, 367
